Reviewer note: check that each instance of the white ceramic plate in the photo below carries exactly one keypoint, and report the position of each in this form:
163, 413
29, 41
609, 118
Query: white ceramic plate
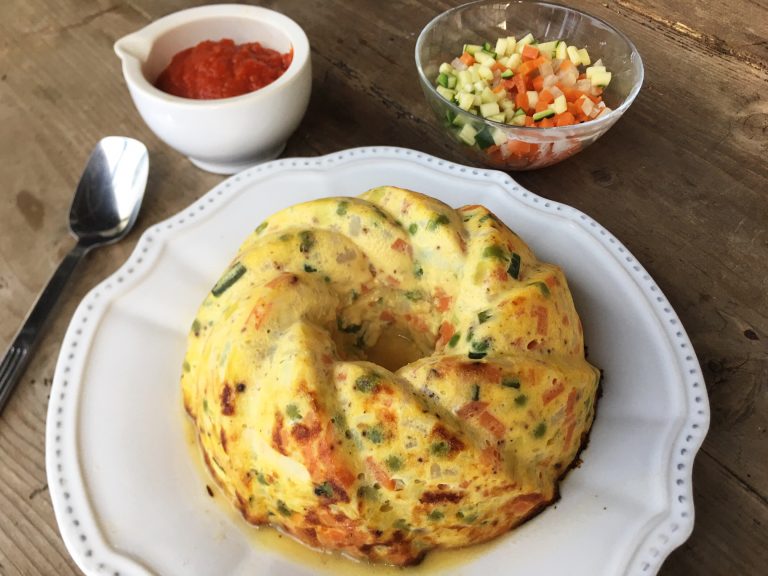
127, 489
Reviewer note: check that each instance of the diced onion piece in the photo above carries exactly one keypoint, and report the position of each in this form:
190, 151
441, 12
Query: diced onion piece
546, 69
533, 98
498, 136
584, 85
586, 105
489, 109
457, 64
550, 81
555, 91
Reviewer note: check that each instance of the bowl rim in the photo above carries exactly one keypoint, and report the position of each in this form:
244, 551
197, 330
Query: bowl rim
608, 119
132, 65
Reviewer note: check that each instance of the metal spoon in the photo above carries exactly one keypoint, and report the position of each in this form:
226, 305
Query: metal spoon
104, 209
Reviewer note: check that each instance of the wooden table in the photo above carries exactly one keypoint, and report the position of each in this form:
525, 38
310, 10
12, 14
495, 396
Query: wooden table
681, 180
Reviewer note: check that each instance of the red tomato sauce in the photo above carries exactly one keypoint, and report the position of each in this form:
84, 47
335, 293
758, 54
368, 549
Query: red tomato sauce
222, 69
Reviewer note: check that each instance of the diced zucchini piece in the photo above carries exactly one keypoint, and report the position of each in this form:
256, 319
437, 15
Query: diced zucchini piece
452, 82
497, 117
472, 48
442, 80
483, 138
592, 69
525, 40
466, 100
446, 93
573, 54
560, 105
485, 73
489, 109
498, 135
445, 68
467, 134
511, 45
518, 120
487, 46
465, 79
507, 74
533, 98
519, 112
478, 100
460, 120
584, 57
544, 114
478, 86
561, 52
514, 61
484, 58
501, 46
506, 104
548, 48
487, 95
601, 78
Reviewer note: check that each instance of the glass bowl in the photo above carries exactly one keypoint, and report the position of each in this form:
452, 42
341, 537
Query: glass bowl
521, 147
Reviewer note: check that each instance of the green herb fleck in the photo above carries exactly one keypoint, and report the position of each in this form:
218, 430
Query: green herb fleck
367, 492
262, 479
292, 411
196, 327
309, 268
413, 228
514, 266
205, 404
341, 208
418, 271
306, 241
375, 434
261, 227
521, 400
368, 382
540, 430
353, 295
401, 524
454, 340
283, 509
435, 515
440, 448
495, 251
185, 366
439, 220
286, 237
394, 463
484, 316
475, 392
543, 288
414, 295
325, 489
228, 279
511, 383
479, 348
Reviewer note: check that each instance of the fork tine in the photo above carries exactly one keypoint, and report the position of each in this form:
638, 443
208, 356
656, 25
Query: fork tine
10, 369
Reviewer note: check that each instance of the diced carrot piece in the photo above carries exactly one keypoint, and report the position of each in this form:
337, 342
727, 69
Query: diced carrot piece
545, 123
499, 66
493, 148
571, 94
565, 119
566, 65
509, 84
531, 65
530, 52
519, 81
582, 76
467, 58
541, 105
572, 108
499, 87
546, 96
529, 121
521, 100
518, 147
538, 83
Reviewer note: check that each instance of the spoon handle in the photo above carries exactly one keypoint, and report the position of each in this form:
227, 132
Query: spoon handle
20, 351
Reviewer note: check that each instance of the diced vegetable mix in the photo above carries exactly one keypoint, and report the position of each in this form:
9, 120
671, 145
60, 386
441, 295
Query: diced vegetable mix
521, 83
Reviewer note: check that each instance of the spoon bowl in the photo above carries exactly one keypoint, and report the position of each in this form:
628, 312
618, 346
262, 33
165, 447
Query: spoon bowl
105, 207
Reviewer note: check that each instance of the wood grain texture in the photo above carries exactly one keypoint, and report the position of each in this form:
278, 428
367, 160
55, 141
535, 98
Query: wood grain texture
681, 180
